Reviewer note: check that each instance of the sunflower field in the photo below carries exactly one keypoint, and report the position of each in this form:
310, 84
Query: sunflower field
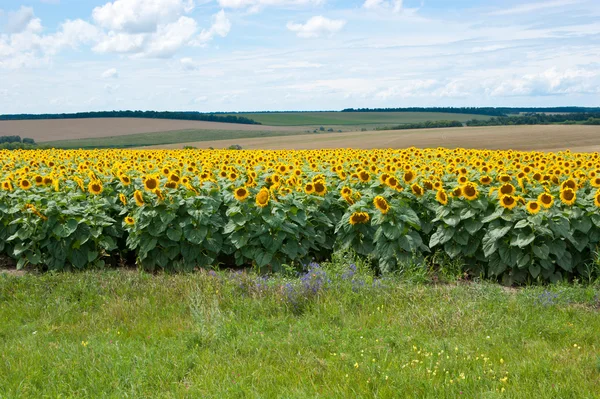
509, 215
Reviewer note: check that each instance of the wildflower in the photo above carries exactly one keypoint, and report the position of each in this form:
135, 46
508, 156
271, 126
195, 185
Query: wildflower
381, 204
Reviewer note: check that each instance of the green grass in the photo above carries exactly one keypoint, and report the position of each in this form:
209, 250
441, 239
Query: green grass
116, 334
160, 138
354, 118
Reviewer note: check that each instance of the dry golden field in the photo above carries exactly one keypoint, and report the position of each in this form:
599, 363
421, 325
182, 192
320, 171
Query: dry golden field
545, 138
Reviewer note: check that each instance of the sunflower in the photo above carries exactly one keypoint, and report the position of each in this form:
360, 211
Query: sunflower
24, 184
7, 186
123, 199
359, 218
508, 201
95, 187
507, 189
457, 192
546, 200
39, 180
309, 188
381, 204
441, 197
139, 198
470, 191
241, 193
533, 207
595, 182
151, 183
125, 179
262, 198
320, 188
485, 180
174, 177
129, 221
171, 184
568, 196
416, 189
346, 191
597, 198
364, 176
409, 176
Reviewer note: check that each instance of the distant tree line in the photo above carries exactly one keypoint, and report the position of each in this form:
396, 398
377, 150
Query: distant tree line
189, 116
424, 125
15, 142
538, 119
491, 111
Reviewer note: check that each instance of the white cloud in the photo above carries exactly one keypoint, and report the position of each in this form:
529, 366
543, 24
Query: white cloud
255, 5
220, 26
111, 73
316, 27
295, 65
140, 16
171, 37
21, 20
529, 7
394, 5
550, 82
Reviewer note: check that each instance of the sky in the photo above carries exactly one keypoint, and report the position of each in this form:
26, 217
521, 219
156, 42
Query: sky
259, 55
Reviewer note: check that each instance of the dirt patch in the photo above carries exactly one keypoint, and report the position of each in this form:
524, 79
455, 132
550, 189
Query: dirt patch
69, 129
8, 266
522, 138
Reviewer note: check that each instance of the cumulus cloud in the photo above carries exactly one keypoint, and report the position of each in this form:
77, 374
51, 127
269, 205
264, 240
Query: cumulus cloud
140, 16
316, 27
111, 73
550, 82
21, 20
220, 26
394, 5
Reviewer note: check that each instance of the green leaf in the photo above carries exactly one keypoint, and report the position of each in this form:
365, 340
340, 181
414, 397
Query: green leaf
263, 258
493, 216
174, 234
534, 270
498, 232
495, 266
196, 235
584, 224
473, 225
452, 220
147, 245
522, 239
541, 251
64, 230
521, 224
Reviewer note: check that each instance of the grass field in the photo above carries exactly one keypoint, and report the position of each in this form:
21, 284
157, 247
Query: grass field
354, 118
542, 138
128, 334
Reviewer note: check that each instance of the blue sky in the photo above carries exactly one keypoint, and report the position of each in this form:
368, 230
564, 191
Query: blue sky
249, 55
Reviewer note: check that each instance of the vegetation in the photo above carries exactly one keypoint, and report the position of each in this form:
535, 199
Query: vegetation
537, 119
16, 143
352, 119
492, 111
194, 116
424, 125
336, 331
512, 216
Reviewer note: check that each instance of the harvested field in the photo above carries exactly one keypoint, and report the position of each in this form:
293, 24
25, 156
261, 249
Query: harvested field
70, 129
544, 138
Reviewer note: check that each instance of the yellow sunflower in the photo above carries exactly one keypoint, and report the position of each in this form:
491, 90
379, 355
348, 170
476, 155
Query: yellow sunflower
24, 184
309, 188
416, 189
320, 188
123, 199
441, 197
470, 191
568, 196
241, 193
546, 200
359, 218
263, 197
597, 198
381, 204
129, 221
508, 201
151, 183
95, 187
533, 207
139, 198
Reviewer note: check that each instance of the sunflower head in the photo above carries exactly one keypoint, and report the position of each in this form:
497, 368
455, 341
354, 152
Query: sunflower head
129, 221
416, 189
95, 187
139, 198
364, 176
7, 186
470, 191
381, 204
320, 188
507, 189
24, 184
597, 198
568, 196
359, 218
485, 180
508, 201
241, 193
309, 188
442, 197
263, 197
151, 183
123, 199
546, 200
533, 207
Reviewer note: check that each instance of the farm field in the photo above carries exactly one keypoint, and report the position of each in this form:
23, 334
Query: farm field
523, 138
354, 118
72, 129
222, 335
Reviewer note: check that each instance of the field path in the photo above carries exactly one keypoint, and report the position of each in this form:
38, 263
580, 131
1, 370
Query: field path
69, 129
543, 138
